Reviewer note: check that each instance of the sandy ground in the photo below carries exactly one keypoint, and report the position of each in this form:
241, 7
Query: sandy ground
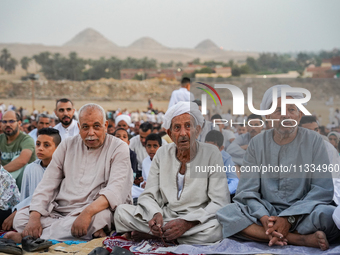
316, 107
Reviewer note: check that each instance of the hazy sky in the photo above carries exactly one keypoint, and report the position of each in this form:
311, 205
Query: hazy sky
255, 25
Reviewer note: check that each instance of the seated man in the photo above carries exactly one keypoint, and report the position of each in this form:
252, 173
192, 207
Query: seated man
310, 123
177, 203
47, 141
281, 206
241, 129
237, 149
216, 138
228, 136
88, 177
17, 148
43, 121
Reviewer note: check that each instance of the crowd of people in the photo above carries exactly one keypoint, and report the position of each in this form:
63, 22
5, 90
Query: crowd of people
82, 174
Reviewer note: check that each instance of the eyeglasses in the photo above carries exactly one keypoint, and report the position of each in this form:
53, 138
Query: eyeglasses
9, 121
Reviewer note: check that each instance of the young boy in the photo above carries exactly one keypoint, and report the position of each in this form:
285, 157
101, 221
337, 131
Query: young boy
152, 144
216, 138
123, 135
47, 142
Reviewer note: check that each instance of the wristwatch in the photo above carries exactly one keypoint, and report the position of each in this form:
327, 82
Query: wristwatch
292, 221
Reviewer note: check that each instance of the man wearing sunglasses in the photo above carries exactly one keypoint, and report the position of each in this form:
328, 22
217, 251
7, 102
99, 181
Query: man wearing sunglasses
17, 148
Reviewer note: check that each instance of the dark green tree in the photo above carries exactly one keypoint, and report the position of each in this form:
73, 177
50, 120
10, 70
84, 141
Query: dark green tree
7, 62
196, 61
25, 63
235, 71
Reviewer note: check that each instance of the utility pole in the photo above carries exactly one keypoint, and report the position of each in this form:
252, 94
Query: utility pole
33, 77
32, 83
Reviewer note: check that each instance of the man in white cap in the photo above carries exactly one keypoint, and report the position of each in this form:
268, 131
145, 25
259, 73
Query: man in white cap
290, 204
123, 121
179, 201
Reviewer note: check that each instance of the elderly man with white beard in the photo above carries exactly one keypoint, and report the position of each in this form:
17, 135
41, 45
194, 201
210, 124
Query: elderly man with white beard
179, 204
88, 177
283, 207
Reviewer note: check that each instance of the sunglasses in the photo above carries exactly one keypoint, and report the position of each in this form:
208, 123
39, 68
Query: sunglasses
9, 121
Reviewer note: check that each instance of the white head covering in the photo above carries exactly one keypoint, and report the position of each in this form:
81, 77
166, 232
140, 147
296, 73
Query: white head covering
181, 108
336, 134
124, 117
267, 99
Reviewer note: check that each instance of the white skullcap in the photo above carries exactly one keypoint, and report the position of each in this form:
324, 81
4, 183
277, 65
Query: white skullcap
181, 108
124, 117
267, 99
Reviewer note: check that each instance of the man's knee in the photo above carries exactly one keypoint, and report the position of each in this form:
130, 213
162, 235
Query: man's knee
319, 219
122, 211
322, 216
21, 219
103, 218
211, 234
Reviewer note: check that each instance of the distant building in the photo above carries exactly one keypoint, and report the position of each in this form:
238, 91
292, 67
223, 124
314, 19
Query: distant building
335, 63
190, 68
218, 72
330, 68
128, 74
290, 74
168, 74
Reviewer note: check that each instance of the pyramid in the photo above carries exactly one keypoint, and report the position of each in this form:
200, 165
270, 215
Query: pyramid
147, 43
207, 45
92, 39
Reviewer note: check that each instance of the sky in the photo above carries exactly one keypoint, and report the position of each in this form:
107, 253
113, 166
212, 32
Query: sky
240, 25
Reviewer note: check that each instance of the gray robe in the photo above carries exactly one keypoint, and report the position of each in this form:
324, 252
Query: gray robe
235, 150
305, 194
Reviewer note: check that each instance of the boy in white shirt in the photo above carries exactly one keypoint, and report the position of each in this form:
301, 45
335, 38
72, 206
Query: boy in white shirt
152, 144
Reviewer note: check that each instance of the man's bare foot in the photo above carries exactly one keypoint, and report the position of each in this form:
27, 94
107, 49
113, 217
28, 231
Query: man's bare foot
15, 236
317, 240
99, 233
139, 236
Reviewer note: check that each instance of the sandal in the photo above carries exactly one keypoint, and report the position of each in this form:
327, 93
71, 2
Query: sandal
9, 246
120, 251
99, 251
34, 244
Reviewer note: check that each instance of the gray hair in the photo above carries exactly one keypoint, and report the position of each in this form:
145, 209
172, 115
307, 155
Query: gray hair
93, 106
42, 115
